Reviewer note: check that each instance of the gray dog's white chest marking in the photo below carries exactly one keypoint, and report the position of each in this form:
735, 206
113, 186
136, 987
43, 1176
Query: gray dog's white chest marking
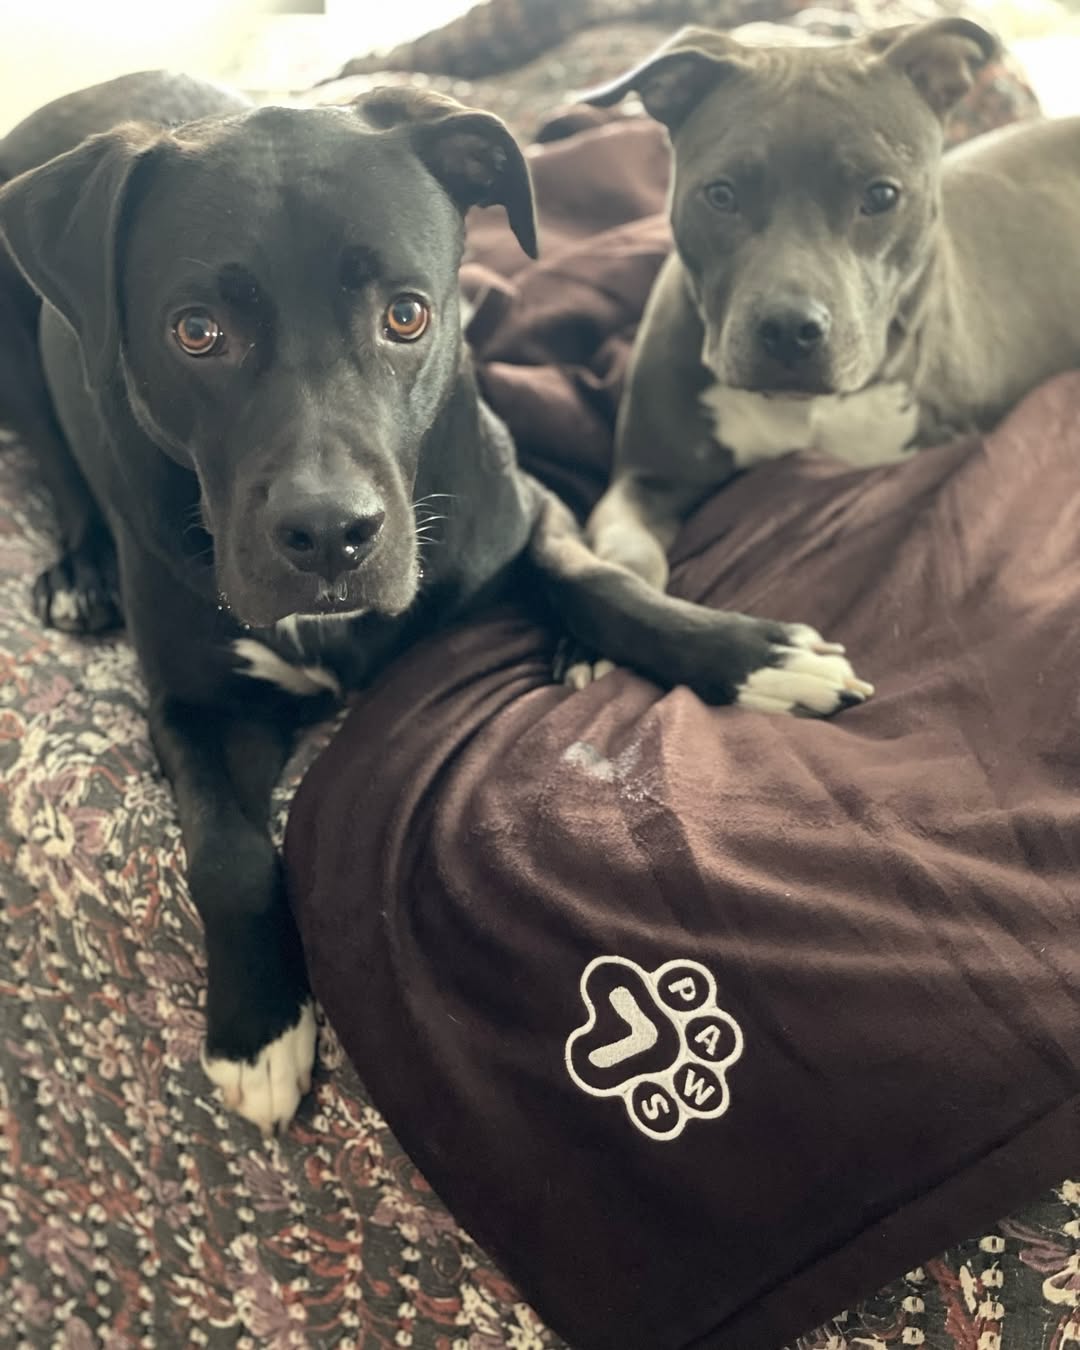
874, 426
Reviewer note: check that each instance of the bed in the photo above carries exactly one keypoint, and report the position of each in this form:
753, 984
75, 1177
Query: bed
134, 1211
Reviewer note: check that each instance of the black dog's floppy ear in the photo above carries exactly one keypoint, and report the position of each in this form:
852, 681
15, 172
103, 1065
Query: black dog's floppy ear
672, 81
60, 224
941, 58
471, 153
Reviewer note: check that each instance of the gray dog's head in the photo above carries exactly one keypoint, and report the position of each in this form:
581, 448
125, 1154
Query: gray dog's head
275, 296
805, 191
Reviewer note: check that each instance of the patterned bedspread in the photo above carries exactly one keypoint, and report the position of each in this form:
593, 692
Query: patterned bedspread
134, 1211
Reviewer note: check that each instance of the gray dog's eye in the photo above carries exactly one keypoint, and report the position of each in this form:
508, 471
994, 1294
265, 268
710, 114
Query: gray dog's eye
198, 333
879, 197
406, 318
721, 196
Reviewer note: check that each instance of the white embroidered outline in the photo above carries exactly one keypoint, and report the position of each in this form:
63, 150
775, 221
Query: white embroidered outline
686, 1059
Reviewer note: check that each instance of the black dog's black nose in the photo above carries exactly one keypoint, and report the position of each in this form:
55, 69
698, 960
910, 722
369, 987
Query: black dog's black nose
319, 536
792, 332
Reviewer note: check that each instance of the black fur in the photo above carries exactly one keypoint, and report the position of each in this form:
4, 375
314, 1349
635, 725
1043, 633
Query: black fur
295, 228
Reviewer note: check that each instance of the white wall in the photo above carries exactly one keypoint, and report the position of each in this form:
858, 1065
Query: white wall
49, 47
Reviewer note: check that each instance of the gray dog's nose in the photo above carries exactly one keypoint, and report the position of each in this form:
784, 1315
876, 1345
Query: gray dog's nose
792, 332
317, 535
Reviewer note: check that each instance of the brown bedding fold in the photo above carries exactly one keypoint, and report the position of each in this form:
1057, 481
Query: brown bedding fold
874, 920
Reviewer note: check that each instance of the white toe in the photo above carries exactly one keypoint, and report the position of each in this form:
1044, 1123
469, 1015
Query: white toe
583, 673
63, 607
810, 677
827, 664
802, 635
268, 1091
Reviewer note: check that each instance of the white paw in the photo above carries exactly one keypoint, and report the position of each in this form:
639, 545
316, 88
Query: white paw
811, 676
583, 673
303, 681
875, 426
268, 1091
64, 609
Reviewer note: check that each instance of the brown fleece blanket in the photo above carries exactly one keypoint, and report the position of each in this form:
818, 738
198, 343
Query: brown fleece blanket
707, 1023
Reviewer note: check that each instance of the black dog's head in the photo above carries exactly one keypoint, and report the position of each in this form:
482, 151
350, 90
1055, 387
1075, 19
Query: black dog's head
278, 292
805, 191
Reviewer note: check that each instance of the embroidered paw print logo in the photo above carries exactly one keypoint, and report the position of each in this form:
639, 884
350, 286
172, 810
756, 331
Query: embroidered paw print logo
658, 1040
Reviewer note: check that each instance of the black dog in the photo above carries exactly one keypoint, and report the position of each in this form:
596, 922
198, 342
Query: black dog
251, 339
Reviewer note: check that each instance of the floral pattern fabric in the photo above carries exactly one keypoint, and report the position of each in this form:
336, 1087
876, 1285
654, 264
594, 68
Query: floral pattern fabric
136, 1212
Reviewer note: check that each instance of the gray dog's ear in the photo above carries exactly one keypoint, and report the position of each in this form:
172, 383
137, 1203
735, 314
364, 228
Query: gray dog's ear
60, 223
471, 153
941, 58
677, 76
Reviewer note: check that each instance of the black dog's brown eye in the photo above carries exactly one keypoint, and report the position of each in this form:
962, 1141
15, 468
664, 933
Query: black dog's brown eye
198, 333
721, 197
879, 197
406, 318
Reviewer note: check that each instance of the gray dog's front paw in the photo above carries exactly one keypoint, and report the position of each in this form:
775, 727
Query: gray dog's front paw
581, 673
578, 666
806, 676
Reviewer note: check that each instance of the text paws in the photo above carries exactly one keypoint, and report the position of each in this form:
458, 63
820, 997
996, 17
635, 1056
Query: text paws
656, 1039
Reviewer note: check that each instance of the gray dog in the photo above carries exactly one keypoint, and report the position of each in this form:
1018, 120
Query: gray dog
836, 284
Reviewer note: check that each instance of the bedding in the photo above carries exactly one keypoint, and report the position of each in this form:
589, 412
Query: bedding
520, 58
134, 1211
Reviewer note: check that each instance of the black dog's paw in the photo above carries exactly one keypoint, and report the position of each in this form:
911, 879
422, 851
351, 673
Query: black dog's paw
267, 1087
799, 672
260, 1022
578, 666
79, 594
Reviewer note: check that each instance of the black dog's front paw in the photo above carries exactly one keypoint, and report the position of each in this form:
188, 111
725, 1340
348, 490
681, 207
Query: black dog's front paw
79, 594
578, 666
794, 670
267, 1087
260, 1020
